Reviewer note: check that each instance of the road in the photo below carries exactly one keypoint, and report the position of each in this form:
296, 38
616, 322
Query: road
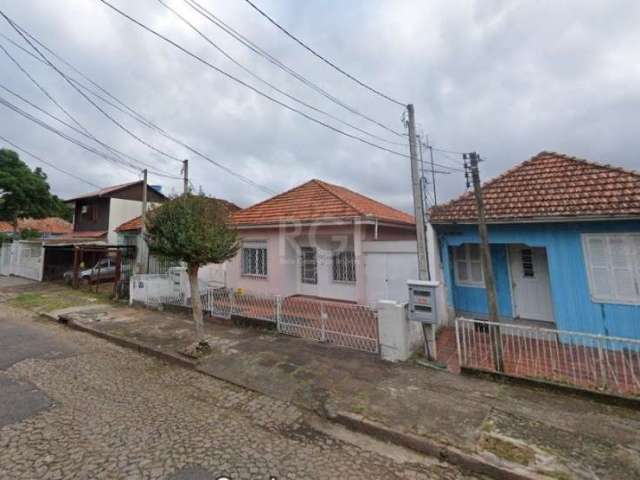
76, 407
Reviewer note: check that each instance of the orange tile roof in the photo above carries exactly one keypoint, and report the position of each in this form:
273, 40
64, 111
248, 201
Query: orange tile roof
53, 225
550, 185
317, 200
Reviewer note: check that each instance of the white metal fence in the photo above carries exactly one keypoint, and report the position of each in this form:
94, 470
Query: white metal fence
596, 362
343, 324
23, 259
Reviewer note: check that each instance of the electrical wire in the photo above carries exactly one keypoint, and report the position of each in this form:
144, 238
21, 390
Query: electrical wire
325, 60
80, 132
266, 82
127, 165
18, 29
132, 112
250, 87
270, 58
41, 160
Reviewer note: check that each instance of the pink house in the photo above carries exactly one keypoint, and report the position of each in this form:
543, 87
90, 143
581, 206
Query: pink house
326, 241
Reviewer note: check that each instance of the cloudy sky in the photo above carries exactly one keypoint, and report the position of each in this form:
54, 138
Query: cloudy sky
505, 78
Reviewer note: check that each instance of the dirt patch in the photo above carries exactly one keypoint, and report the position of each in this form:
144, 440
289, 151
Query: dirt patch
507, 450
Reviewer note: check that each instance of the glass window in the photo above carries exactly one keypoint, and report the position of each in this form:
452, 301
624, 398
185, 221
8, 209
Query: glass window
344, 267
309, 265
468, 265
254, 259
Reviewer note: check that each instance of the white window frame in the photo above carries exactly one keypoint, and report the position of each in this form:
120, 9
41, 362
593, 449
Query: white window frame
341, 256
468, 261
254, 248
632, 247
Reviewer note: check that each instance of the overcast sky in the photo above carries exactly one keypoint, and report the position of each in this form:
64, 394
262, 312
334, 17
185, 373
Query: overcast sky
505, 78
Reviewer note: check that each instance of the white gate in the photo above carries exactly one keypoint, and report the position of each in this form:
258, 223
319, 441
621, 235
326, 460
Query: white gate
23, 259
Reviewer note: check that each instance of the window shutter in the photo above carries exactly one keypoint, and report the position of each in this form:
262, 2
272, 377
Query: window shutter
600, 274
622, 267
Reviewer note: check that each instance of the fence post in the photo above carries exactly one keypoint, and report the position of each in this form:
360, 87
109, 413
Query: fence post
603, 368
232, 301
323, 323
278, 311
456, 323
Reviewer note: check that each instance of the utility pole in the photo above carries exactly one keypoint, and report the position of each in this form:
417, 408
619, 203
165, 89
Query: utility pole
423, 262
143, 228
487, 267
433, 175
185, 171
418, 207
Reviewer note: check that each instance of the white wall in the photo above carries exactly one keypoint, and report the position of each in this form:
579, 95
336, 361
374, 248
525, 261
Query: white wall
121, 211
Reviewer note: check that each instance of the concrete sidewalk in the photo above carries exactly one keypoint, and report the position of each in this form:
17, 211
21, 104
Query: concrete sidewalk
516, 428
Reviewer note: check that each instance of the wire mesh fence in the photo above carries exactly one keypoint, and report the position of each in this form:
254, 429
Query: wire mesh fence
595, 362
338, 323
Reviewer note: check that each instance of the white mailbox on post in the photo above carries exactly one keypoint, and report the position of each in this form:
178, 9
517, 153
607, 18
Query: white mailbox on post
422, 301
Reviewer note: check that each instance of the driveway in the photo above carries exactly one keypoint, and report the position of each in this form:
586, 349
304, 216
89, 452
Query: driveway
74, 406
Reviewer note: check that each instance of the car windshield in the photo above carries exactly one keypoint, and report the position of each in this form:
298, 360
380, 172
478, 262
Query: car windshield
102, 263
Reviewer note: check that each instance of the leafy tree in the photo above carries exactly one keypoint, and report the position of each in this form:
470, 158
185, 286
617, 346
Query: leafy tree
26, 193
29, 234
196, 230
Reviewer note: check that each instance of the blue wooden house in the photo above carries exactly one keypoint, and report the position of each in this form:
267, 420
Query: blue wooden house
565, 244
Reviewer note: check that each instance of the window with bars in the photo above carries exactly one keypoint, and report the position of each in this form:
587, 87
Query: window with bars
254, 259
309, 265
468, 265
344, 267
526, 255
613, 267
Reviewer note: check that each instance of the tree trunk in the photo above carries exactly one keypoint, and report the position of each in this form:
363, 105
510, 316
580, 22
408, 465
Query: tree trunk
196, 302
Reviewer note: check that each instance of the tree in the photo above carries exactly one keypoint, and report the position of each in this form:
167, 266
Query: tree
26, 193
196, 230
29, 234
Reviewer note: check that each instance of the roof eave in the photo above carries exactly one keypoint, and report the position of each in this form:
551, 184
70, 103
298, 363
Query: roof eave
550, 219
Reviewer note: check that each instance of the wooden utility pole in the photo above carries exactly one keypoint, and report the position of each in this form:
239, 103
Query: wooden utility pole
143, 228
418, 207
487, 267
185, 172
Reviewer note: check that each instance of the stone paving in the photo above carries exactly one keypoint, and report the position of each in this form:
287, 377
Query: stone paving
118, 414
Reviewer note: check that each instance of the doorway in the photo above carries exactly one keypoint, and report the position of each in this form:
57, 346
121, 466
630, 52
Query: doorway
530, 284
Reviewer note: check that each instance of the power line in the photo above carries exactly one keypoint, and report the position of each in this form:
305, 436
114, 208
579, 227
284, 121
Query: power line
250, 87
270, 58
41, 160
18, 29
50, 115
325, 60
266, 82
127, 165
132, 112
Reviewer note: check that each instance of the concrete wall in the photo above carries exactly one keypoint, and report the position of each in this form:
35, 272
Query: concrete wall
573, 307
121, 211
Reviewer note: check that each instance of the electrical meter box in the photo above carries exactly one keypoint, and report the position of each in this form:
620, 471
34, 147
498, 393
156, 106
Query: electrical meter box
422, 301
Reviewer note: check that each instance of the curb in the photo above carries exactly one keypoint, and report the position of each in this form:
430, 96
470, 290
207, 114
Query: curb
468, 462
454, 456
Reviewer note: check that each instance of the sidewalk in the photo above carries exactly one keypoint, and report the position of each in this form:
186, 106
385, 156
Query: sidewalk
523, 428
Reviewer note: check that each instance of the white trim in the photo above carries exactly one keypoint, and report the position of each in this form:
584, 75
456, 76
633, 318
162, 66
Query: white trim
611, 299
467, 283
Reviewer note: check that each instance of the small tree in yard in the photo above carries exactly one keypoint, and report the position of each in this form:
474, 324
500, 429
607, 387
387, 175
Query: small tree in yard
196, 230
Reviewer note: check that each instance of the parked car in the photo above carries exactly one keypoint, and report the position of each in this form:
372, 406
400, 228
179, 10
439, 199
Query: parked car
103, 271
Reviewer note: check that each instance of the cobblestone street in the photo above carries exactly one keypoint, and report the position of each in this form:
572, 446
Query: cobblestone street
106, 412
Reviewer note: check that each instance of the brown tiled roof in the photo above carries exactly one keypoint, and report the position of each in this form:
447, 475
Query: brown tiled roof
110, 190
94, 234
318, 200
135, 224
53, 225
550, 185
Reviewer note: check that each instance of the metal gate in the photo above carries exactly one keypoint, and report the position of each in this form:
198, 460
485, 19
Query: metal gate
23, 259
343, 324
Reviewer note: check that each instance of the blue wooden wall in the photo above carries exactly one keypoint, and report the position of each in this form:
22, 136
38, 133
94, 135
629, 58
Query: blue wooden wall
572, 305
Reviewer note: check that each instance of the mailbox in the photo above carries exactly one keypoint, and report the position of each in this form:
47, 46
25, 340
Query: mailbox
422, 301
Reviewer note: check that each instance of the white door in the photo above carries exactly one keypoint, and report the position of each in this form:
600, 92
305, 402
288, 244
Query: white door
530, 283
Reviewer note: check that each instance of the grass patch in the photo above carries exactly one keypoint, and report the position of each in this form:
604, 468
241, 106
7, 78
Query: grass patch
56, 300
507, 450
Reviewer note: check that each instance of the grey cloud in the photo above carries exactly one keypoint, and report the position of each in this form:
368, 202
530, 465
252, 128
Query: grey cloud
507, 79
